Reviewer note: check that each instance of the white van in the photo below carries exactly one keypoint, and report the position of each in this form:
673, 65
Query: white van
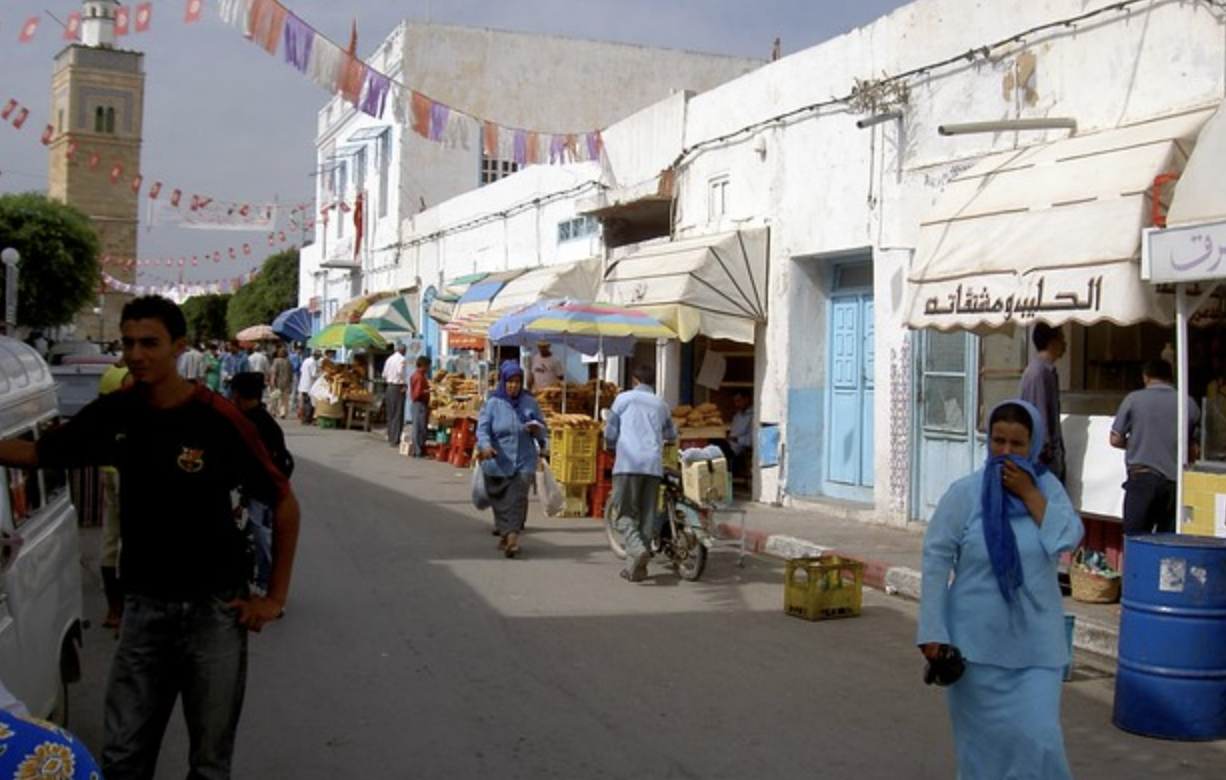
40, 561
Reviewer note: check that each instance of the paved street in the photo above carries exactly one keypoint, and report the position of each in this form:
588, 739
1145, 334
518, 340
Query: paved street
411, 649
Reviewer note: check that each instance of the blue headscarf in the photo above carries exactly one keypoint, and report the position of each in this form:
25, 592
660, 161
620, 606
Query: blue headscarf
508, 370
999, 504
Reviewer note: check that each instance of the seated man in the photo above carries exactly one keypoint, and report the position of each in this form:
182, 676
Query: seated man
740, 434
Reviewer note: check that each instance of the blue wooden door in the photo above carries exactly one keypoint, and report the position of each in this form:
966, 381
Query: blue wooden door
850, 443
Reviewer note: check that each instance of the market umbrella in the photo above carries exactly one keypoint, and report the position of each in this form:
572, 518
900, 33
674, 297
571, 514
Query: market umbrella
511, 330
346, 336
257, 333
293, 324
392, 318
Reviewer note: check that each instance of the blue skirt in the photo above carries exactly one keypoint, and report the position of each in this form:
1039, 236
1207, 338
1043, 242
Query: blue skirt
1006, 724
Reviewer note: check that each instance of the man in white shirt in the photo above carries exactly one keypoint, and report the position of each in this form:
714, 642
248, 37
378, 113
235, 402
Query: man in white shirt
394, 394
547, 370
191, 363
259, 363
306, 380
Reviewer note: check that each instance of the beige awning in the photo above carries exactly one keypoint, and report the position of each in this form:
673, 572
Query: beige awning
714, 285
1200, 196
1050, 232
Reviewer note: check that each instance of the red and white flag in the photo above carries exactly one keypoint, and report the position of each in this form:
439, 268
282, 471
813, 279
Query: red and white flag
116, 172
192, 14
175, 197
246, 249
233, 254
123, 20
70, 151
21, 117
137, 181
93, 160
144, 13
28, 29
9, 108
155, 190
72, 28
48, 134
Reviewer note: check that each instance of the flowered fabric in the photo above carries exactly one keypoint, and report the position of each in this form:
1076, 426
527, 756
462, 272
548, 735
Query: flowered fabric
37, 750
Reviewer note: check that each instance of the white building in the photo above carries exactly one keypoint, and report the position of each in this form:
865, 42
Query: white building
852, 219
458, 83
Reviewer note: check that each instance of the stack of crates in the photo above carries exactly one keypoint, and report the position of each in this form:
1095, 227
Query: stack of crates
573, 461
604, 481
823, 587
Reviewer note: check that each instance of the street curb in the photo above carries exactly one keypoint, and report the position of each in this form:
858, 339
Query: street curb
902, 581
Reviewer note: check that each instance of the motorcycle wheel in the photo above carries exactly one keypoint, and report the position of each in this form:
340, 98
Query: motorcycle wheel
610, 530
690, 556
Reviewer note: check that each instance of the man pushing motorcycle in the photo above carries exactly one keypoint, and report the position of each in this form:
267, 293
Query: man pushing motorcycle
637, 427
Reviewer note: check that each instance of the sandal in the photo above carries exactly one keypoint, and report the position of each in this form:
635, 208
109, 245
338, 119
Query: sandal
512, 544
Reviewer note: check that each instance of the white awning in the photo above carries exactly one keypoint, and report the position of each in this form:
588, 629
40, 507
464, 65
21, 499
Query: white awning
1199, 195
711, 285
1050, 232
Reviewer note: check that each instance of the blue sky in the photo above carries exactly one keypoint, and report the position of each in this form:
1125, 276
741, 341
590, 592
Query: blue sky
224, 119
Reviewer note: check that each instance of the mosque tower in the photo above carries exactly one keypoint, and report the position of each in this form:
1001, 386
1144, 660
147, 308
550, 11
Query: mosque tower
97, 111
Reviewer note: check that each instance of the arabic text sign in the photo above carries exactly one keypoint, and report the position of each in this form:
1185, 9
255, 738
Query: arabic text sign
1004, 298
1185, 254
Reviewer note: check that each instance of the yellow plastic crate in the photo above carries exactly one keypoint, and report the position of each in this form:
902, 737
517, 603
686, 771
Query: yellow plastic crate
826, 586
672, 456
573, 471
576, 501
574, 442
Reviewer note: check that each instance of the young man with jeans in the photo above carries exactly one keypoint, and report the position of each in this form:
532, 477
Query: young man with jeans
181, 450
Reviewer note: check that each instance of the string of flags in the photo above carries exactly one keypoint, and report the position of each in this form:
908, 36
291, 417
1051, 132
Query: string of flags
178, 291
272, 26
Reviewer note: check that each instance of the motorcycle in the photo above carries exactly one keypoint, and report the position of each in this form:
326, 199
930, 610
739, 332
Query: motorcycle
680, 532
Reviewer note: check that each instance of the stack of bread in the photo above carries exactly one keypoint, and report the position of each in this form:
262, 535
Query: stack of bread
702, 416
571, 422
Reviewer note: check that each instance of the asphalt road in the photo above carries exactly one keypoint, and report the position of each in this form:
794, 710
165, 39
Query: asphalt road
412, 649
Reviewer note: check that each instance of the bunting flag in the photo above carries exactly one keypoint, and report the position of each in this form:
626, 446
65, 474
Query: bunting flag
144, 14
192, 12
116, 172
72, 27
28, 29
137, 181
9, 108
122, 17
266, 22
155, 190
20, 118
48, 134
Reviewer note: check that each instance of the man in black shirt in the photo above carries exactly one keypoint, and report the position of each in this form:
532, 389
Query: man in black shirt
180, 450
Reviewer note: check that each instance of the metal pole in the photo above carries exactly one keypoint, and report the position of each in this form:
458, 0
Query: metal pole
10, 257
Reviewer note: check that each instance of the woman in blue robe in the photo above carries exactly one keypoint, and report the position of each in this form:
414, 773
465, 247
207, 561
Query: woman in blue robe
991, 589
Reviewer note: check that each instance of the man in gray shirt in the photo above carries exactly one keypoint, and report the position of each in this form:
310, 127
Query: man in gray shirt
1040, 387
1145, 428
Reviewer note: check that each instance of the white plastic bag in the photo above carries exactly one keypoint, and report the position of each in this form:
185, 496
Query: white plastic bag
550, 492
481, 499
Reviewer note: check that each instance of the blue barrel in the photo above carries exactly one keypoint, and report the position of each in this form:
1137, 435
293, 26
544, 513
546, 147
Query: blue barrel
1172, 646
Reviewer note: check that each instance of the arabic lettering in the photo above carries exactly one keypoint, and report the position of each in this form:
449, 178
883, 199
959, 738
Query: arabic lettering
966, 299
1205, 244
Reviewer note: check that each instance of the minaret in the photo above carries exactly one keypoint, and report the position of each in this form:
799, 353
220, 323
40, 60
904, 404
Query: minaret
97, 111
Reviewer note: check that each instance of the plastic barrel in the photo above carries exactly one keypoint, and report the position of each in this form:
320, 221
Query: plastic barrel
1171, 681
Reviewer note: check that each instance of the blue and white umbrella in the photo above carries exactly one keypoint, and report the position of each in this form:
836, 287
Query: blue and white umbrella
293, 324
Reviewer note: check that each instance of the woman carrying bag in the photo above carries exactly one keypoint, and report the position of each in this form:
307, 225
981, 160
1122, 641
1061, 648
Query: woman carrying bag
511, 434
1000, 532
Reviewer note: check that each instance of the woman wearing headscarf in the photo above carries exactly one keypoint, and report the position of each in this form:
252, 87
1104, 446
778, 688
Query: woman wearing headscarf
509, 430
1000, 533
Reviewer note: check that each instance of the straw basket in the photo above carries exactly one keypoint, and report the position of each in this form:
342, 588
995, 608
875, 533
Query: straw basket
1089, 586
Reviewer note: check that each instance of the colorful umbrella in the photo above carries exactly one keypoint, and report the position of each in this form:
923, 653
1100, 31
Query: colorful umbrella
392, 318
601, 320
293, 324
510, 330
342, 336
257, 333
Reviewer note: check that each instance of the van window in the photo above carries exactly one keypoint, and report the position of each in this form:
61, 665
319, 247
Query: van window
32, 489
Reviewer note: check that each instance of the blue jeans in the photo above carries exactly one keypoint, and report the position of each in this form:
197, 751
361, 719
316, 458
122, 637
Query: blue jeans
195, 649
259, 525
421, 421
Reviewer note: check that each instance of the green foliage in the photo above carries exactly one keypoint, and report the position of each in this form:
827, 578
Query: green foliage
58, 274
206, 317
271, 292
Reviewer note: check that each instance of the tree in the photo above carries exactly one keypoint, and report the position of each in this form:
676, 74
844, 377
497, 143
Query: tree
206, 317
58, 274
271, 292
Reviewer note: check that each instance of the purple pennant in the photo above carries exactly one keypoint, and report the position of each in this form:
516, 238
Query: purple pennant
299, 38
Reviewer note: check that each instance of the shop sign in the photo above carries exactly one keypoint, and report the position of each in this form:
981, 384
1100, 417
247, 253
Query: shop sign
1189, 253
